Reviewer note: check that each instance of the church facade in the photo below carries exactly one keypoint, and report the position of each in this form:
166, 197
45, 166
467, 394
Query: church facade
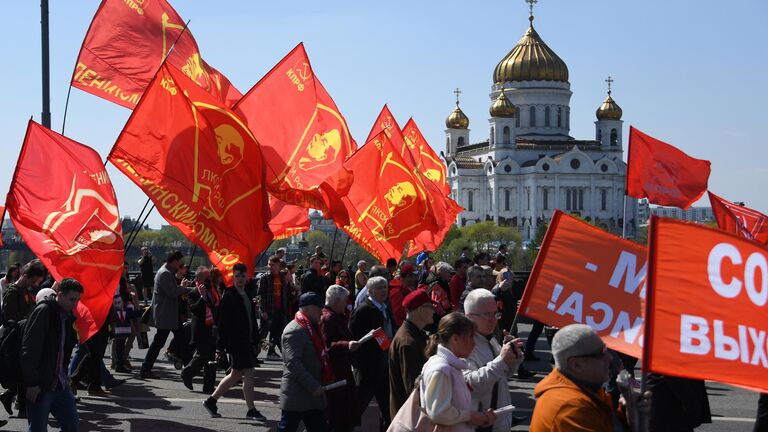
530, 165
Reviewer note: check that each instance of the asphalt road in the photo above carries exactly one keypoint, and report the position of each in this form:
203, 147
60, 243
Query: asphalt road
166, 405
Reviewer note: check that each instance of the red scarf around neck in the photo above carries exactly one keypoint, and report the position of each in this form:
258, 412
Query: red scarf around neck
317, 340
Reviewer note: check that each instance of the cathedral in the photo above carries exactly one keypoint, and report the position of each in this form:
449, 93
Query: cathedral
530, 165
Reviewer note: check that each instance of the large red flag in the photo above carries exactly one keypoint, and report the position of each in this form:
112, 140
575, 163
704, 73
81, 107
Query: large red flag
740, 220
200, 166
62, 203
304, 138
387, 207
125, 45
443, 209
386, 123
584, 275
287, 220
662, 173
706, 314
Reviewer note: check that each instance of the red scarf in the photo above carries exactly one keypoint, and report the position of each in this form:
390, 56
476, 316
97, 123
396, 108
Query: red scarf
317, 340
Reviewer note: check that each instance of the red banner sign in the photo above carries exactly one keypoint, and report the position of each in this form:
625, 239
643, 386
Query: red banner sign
707, 315
585, 275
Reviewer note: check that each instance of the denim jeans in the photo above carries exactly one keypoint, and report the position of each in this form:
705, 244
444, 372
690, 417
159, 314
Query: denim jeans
60, 403
314, 421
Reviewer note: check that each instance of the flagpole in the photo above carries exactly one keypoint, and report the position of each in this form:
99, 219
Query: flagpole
46, 113
191, 257
66, 108
333, 244
135, 224
624, 218
130, 242
343, 254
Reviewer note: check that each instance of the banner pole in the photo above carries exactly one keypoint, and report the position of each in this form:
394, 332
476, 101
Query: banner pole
191, 257
66, 108
136, 224
130, 243
624, 218
344, 253
333, 243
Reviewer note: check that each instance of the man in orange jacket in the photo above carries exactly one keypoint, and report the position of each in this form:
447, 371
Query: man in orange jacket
571, 398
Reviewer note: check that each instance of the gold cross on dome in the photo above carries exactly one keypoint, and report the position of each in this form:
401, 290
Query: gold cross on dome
609, 81
457, 92
531, 3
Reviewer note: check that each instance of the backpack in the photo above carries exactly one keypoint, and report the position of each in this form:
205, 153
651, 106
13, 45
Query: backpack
11, 334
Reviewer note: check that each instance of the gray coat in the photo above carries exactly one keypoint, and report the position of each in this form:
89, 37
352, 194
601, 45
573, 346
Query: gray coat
302, 371
165, 300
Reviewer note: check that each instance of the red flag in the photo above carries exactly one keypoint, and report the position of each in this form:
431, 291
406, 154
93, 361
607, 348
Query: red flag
386, 123
433, 173
125, 45
304, 138
388, 206
662, 173
706, 309
588, 276
201, 167
382, 339
62, 203
429, 163
740, 220
287, 220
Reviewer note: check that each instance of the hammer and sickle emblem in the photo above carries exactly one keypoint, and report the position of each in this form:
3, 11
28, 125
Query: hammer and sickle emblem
303, 70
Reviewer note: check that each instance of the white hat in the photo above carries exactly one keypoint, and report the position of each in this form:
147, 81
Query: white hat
44, 294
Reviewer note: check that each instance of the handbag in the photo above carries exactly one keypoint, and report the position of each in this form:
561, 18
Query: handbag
411, 417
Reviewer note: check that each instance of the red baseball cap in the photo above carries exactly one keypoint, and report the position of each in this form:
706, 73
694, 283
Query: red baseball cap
407, 269
416, 299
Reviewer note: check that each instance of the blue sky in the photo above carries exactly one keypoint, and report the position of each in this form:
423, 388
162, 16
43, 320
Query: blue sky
688, 72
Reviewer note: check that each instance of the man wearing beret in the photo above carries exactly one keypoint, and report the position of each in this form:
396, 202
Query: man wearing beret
306, 368
406, 354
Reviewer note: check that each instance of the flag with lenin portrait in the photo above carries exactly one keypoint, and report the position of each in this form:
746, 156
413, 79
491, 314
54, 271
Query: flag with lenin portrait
200, 165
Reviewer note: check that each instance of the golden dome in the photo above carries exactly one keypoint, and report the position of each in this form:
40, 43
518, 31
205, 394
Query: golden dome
457, 119
502, 107
609, 110
531, 60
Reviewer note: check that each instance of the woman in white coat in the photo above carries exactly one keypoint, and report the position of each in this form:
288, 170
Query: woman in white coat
444, 393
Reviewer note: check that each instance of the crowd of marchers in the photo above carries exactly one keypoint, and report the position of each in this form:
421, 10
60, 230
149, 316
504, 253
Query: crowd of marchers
435, 344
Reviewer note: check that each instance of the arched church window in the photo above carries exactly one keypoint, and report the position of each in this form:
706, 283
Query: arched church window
506, 134
470, 201
567, 118
461, 141
517, 116
546, 116
559, 116
448, 143
614, 137
600, 136
506, 199
493, 134
532, 117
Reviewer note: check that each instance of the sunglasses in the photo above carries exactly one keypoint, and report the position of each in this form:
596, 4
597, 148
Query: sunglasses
596, 355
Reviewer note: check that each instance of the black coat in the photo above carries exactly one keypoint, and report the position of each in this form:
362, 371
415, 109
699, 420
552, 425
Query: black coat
311, 281
40, 345
234, 333
202, 335
678, 404
370, 360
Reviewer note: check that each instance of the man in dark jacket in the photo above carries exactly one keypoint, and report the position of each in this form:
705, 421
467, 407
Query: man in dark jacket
274, 301
165, 309
204, 305
371, 364
406, 354
45, 350
18, 303
311, 280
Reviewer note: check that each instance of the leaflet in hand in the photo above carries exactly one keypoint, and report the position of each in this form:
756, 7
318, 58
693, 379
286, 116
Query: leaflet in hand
337, 384
504, 410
